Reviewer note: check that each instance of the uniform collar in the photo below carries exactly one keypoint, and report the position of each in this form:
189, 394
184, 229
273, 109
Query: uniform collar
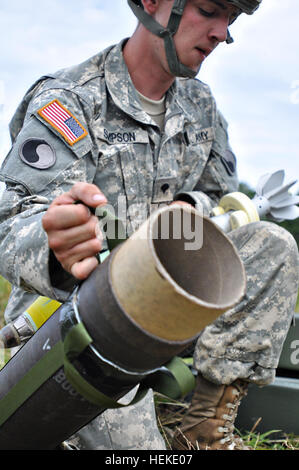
120, 85
124, 94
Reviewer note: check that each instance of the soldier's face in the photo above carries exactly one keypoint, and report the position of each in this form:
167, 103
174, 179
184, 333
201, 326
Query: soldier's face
203, 26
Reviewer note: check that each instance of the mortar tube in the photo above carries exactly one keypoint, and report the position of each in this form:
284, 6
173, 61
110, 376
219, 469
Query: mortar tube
124, 347
55, 411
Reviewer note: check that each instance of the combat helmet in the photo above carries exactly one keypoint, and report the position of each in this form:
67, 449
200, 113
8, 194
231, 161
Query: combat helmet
176, 67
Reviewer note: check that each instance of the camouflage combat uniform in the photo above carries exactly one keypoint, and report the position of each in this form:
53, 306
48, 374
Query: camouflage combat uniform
118, 147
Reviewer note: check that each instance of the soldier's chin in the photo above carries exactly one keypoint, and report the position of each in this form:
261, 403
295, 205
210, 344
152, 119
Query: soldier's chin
195, 68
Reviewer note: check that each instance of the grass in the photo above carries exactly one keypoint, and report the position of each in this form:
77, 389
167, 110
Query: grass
170, 413
258, 441
4, 294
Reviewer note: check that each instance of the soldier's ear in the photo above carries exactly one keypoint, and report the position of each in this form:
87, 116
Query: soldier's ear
150, 6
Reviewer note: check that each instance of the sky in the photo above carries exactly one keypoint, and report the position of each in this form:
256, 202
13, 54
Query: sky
255, 80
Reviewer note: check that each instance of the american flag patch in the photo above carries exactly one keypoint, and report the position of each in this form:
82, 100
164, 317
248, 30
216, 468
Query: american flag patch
63, 121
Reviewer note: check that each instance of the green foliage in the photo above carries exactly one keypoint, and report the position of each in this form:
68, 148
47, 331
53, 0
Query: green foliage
257, 441
5, 289
244, 188
291, 226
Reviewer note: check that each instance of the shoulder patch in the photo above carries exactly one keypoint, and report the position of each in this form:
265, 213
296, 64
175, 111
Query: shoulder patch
63, 121
230, 162
38, 154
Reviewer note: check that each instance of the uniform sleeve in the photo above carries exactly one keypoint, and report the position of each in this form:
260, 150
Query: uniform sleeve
24, 246
41, 165
220, 174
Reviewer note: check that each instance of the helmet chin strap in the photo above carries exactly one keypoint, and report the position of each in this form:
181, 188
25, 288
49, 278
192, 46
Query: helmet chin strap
176, 67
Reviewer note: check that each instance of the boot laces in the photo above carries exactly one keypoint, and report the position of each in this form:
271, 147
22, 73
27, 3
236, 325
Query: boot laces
229, 419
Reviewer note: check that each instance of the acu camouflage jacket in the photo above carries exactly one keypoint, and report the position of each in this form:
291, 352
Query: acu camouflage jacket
86, 123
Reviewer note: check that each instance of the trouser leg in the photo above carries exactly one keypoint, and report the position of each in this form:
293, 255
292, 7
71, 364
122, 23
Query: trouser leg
246, 342
131, 428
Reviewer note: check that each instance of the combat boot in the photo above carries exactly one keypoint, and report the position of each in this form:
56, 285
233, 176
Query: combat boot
209, 421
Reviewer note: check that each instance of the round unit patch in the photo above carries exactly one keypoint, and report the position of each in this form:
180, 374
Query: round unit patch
230, 162
38, 154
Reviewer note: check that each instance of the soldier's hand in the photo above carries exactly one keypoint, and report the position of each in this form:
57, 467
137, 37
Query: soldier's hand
72, 230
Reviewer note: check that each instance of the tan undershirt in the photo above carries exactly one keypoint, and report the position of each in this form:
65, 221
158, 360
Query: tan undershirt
155, 109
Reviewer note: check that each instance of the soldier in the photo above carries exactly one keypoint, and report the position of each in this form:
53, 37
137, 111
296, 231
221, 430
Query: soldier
133, 122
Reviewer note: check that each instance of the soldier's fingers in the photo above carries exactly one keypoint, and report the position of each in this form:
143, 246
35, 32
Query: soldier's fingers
63, 199
62, 240
88, 193
180, 203
83, 269
60, 217
78, 253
